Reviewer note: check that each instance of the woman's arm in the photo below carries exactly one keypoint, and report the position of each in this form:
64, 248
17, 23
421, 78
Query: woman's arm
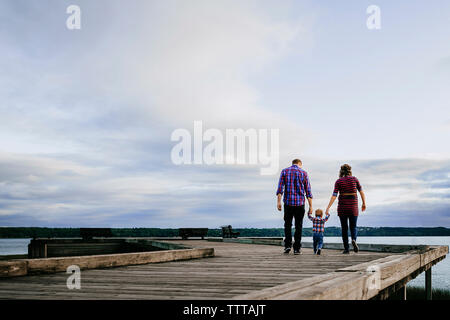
363, 198
330, 204
334, 196
361, 192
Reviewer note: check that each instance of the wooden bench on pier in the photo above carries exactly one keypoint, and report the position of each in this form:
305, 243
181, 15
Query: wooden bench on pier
185, 233
227, 232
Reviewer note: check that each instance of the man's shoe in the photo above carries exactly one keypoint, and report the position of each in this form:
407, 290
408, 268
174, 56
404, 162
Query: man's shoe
297, 252
287, 250
318, 252
355, 246
345, 251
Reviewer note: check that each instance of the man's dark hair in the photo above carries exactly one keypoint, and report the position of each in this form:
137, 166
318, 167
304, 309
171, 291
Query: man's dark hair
296, 161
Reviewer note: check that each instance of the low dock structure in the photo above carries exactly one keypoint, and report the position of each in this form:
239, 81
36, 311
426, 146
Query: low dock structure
242, 268
145, 251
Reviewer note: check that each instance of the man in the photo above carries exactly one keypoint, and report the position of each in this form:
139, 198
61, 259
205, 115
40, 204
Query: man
295, 183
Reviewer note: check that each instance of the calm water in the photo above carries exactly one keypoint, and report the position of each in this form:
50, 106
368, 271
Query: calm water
14, 246
440, 272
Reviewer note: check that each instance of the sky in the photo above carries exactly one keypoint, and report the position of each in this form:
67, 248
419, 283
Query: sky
86, 115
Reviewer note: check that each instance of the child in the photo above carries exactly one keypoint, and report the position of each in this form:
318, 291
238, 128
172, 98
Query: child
318, 229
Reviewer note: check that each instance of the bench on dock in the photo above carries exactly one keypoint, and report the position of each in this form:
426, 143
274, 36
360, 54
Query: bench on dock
185, 233
89, 233
227, 232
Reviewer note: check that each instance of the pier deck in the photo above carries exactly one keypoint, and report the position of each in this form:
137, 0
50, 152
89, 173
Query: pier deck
237, 270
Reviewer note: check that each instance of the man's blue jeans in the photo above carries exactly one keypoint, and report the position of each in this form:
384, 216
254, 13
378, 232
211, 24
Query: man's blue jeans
345, 221
317, 241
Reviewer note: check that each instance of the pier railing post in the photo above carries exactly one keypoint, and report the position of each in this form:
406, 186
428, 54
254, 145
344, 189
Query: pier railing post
428, 286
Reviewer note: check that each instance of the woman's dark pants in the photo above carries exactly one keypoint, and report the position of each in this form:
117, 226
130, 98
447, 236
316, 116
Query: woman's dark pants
296, 212
345, 221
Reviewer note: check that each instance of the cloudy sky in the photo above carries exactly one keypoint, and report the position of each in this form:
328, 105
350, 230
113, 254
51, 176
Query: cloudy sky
86, 116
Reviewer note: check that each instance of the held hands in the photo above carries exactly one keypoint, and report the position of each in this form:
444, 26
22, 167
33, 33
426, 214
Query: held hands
310, 211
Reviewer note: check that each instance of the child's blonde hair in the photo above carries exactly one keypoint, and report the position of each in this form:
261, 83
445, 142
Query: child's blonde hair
319, 212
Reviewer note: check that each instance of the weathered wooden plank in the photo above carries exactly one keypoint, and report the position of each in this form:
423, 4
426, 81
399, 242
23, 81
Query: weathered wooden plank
51, 265
391, 269
432, 254
273, 292
13, 268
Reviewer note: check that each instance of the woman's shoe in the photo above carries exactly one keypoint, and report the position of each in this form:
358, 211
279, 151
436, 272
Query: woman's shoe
355, 246
345, 251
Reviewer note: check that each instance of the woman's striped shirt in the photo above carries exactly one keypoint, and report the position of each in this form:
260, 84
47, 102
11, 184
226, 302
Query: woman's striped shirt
347, 204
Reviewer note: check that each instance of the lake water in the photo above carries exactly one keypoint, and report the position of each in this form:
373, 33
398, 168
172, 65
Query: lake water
14, 246
440, 272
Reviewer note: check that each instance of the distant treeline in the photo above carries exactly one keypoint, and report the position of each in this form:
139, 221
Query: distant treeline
31, 232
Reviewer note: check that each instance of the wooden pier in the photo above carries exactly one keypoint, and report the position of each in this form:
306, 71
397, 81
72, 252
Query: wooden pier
236, 269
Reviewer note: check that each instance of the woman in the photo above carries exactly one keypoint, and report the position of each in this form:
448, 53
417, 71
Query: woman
347, 209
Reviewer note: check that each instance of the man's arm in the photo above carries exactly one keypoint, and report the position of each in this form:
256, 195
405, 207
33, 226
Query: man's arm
308, 192
280, 190
310, 205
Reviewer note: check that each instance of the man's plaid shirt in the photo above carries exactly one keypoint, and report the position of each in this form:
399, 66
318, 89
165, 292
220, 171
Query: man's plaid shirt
295, 181
318, 223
